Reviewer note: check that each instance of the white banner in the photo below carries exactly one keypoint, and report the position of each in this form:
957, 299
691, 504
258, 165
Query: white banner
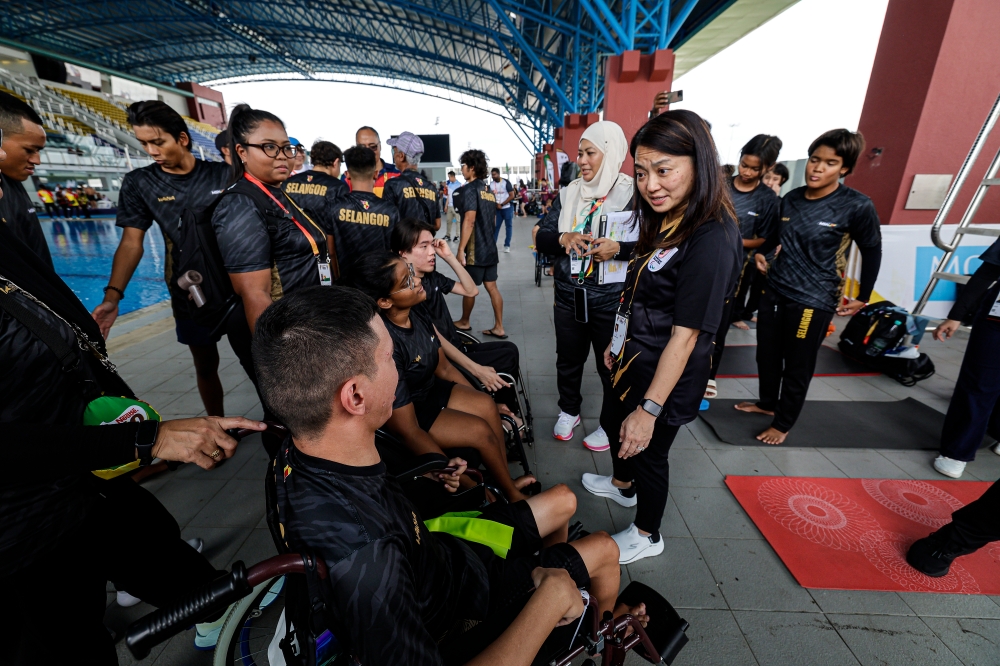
909, 258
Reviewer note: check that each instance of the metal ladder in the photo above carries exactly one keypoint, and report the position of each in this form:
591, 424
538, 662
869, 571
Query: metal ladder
964, 225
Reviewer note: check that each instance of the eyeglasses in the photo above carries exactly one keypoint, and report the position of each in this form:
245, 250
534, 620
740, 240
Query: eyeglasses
410, 284
272, 149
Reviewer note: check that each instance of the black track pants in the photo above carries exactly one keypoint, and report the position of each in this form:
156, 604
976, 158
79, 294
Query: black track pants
788, 338
720, 337
573, 344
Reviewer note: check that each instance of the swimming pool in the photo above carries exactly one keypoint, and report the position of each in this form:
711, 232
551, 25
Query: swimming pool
82, 251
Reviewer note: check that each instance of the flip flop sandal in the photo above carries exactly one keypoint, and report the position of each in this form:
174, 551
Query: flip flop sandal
712, 389
464, 330
494, 335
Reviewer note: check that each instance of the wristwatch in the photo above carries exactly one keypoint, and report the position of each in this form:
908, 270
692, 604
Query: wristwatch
651, 407
145, 438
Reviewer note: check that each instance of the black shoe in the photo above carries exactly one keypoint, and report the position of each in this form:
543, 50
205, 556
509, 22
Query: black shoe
933, 555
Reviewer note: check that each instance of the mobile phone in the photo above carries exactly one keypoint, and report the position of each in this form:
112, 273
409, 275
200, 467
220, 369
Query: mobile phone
580, 304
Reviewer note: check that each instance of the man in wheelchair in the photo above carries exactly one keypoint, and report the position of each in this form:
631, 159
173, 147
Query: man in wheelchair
477, 588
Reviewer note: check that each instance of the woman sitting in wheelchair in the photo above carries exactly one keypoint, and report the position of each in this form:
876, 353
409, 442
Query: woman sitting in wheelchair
435, 407
402, 590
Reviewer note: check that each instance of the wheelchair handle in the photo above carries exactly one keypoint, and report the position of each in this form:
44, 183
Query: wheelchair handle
272, 427
151, 630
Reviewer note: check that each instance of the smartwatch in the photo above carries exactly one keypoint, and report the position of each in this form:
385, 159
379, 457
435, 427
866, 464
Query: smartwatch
651, 407
145, 438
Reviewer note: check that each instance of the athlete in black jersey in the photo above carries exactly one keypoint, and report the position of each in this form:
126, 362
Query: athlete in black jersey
805, 282
320, 187
757, 213
360, 222
23, 141
160, 193
477, 249
412, 194
399, 584
435, 408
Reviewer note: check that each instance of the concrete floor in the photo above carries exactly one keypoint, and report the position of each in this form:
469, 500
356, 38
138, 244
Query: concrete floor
743, 605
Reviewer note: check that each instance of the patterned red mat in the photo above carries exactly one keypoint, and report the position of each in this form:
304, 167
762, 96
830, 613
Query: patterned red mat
853, 534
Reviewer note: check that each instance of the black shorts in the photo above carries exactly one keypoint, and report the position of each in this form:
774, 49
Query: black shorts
190, 332
429, 407
481, 274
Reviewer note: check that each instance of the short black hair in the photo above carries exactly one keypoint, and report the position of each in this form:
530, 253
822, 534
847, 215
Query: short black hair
451, 173
847, 144
781, 171
406, 233
494, 170
306, 346
475, 160
373, 273
222, 140
13, 113
764, 147
154, 113
324, 153
360, 160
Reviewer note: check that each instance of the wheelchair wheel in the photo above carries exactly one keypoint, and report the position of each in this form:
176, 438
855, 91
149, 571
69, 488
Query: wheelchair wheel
538, 270
247, 634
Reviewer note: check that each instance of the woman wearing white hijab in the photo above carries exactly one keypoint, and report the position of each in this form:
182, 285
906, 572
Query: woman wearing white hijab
571, 226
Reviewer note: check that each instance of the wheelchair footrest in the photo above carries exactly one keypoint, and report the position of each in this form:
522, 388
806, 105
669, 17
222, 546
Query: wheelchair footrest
665, 629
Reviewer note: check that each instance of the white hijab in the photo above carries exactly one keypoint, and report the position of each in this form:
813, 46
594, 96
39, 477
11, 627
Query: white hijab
608, 182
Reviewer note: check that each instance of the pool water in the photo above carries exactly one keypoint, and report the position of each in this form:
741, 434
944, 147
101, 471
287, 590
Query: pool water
82, 251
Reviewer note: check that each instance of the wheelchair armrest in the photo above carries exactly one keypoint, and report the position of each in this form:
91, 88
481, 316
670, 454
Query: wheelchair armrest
420, 465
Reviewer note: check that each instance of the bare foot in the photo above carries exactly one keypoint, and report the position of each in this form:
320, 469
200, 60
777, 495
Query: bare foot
463, 325
638, 612
505, 410
493, 332
521, 482
742, 325
753, 319
752, 408
772, 436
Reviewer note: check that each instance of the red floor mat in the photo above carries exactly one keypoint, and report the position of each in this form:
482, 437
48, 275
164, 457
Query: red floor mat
852, 534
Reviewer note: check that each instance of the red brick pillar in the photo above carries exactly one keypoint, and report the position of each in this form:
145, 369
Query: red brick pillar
630, 84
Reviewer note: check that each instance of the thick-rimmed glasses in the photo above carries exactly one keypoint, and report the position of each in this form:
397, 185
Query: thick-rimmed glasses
272, 149
410, 284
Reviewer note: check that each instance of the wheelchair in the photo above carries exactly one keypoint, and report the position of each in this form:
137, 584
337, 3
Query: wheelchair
542, 262
280, 614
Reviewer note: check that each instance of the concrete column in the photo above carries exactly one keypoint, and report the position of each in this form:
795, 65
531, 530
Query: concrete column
630, 84
568, 136
933, 82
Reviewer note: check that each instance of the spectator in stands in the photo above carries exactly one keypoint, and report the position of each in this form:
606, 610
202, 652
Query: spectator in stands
160, 193
48, 199
318, 189
222, 145
72, 204
360, 222
84, 201
270, 246
412, 194
504, 193
570, 233
451, 216
368, 137
23, 141
477, 248
299, 164
776, 177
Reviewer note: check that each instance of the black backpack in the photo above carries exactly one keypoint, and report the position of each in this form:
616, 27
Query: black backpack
198, 251
876, 329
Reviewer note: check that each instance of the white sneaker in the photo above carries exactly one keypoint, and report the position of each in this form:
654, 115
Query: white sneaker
206, 634
949, 467
126, 600
564, 426
603, 487
196, 543
597, 440
633, 546
506, 249
996, 448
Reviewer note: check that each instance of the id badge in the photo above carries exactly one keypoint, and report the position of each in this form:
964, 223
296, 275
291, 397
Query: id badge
995, 310
618, 338
325, 276
575, 264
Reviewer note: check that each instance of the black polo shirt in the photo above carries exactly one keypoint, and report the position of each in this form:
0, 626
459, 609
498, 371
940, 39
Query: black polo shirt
18, 212
361, 222
482, 248
437, 286
414, 197
151, 195
247, 245
315, 190
756, 210
686, 286
815, 237
415, 351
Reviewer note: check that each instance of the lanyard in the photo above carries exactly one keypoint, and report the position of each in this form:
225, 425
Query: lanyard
587, 267
312, 241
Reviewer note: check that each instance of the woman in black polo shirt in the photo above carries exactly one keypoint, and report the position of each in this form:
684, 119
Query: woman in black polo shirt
269, 245
684, 266
804, 284
435, 406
